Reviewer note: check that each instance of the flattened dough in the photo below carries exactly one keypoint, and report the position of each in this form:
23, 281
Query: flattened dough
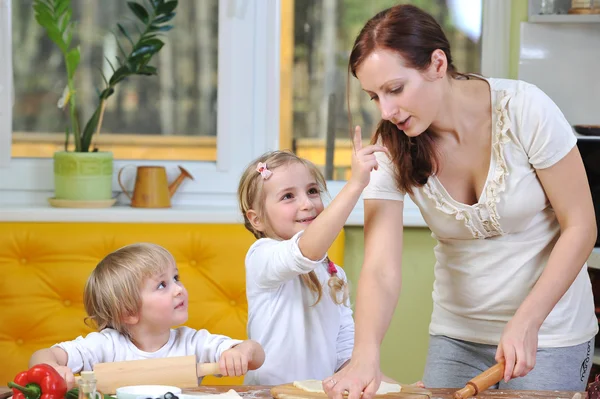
231, 394
317, 387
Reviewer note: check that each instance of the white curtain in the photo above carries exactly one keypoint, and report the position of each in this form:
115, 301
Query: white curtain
6, 83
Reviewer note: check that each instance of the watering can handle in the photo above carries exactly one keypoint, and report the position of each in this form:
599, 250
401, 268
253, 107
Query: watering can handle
121, 184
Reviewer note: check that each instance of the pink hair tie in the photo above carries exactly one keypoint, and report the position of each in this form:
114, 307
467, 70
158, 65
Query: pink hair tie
331, 267
264, 172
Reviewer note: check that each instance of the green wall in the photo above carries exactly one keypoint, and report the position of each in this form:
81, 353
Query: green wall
404, 348
518, 14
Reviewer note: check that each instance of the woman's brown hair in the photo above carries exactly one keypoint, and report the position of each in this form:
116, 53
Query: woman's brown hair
414, 35
251, 196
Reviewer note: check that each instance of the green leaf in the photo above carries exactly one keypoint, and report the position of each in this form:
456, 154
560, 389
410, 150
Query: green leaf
65, 20
148, 70
41, 8
43, 17
123, 53
102, 74
124, 32
150, 5
119, 75
72, 60
56, 37
149, 48
69, 38
107, 93
164, 28
164, 18
67, 133
157, 3
110, 64
139, 11
62, 6
167, 7
90, 128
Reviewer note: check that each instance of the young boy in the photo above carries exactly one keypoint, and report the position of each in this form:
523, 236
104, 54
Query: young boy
134, 297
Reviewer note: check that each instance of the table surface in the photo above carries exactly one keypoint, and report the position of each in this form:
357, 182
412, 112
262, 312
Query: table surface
263, 391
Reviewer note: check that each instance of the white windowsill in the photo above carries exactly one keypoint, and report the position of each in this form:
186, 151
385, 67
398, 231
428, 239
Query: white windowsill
119, 213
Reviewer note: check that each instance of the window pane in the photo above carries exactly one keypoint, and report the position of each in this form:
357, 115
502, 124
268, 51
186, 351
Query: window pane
324, 32
172, 115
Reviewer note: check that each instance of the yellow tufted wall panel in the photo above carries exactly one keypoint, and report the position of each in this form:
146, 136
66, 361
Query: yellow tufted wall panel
44, 267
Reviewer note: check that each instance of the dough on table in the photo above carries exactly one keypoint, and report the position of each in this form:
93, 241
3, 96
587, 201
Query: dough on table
231, 394
316, 386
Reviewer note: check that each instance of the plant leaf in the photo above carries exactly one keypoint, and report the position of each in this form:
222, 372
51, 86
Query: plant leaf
90, 128
167, 7
151, 47
164, 18
139, 11
147, 70
72, 60
124, 32
102, 74
67, 133
164, 28
110, 64
123, 53
119, 75
107, 93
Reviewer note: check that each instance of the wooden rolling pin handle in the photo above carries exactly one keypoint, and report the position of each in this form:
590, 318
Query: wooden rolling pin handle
482, 382
203, 369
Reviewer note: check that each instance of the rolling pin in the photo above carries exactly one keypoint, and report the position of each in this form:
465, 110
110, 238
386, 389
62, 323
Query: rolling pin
483, 381
181, 371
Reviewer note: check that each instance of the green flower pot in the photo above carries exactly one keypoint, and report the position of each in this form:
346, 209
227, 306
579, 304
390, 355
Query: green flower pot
83, 176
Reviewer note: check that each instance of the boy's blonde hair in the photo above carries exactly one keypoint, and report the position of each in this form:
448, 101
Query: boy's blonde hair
252, 196
112, 291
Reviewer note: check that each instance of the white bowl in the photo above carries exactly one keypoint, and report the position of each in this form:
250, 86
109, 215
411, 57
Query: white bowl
146, 391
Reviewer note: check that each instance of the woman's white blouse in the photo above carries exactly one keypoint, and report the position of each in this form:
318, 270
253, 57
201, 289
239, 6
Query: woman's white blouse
490, 254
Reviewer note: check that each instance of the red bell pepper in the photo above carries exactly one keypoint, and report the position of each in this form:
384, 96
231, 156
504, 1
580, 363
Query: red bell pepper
41, 381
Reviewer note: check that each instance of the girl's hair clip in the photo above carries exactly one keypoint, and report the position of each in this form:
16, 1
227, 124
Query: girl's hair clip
264, 172
331, 267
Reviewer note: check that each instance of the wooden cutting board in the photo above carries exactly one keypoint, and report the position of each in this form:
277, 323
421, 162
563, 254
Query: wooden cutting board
289, 391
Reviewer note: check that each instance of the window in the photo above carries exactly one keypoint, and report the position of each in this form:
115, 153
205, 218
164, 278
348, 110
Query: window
169, 116
324, 32
247, 108
248, 97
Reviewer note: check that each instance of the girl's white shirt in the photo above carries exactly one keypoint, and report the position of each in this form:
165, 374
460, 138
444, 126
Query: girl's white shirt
301, 341
490, 254
109, 345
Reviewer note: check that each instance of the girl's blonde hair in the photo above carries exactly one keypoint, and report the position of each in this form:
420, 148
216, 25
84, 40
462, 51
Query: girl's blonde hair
251, 196
112, 291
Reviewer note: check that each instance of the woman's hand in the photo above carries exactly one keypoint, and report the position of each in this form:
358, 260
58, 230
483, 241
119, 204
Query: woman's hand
358, 376
363, 159
518, 347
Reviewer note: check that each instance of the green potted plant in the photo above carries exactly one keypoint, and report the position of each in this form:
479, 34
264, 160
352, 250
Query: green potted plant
85, 174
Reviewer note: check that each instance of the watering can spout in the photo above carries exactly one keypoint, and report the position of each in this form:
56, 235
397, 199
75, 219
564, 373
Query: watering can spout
182, 176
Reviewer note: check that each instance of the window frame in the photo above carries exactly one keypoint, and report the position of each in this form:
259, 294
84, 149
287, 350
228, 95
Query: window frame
247, 118
254, 81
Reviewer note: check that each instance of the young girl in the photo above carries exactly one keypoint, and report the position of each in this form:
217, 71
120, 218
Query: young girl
297, 298
134, 296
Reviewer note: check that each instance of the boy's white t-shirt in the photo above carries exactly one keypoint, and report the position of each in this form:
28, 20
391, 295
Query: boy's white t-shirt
301, 341
490, 254
109, 345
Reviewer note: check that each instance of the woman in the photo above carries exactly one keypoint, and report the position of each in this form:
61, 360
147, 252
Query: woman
494, 168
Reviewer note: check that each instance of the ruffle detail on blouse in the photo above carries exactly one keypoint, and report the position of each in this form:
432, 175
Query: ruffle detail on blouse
482, 219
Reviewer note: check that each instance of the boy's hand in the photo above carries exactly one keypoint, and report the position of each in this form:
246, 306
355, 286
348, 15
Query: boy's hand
363, 159
234, 362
